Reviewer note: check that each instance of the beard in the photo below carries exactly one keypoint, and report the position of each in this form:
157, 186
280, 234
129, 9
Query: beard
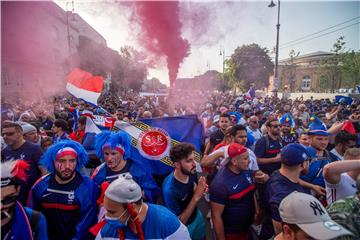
187, 172
64, 178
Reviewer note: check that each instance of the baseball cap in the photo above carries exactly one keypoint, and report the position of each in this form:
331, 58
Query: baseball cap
216, 118
124, 190
27, 127
294, 154
236, 149
307, 213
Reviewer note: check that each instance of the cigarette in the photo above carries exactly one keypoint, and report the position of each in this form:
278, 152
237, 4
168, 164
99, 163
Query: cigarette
7, 214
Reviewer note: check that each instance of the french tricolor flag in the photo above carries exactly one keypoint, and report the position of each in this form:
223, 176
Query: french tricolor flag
84, 85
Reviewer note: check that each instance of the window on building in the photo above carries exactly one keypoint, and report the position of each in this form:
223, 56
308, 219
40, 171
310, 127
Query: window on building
306, 83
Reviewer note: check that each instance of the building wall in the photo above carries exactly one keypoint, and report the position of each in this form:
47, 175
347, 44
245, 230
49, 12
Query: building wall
311, 65
35, 52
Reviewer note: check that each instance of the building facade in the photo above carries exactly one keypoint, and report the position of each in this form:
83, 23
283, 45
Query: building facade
39, 48
308, 73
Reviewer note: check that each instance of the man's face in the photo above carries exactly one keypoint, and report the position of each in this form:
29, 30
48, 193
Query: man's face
119, 115
304, 140
232, 108
224, 123
65, 167
319, 142
274, 128
241, 162
285, 128
32, 136
81, 127
11, 135
115, 210
187, 166
112, 158
254, 122
241, 137
9, 196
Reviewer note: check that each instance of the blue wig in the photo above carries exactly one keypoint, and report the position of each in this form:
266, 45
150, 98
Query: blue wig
113, 139
47, 160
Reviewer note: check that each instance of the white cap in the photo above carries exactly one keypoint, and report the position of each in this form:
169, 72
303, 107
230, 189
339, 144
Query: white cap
124, 190
307, 213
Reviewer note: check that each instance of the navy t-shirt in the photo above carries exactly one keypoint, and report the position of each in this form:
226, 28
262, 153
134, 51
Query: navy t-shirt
278, 188
61, 210
216, 137
177, 195
31, 153
270, 151
236, 192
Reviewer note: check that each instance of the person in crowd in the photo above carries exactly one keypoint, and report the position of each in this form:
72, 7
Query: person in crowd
343, 141
18, 222
253, 127
304, 139
128, 217
319, 139
46, 143
287, 134
79, 133
59, 129
232, 196
217, 136
304, 217
294, 162
340, 177
65, 196
18, 148
115, 150
182, 191
31, 133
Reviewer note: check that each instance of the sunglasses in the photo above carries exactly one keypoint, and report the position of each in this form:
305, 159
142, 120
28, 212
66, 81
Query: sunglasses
275, 126
9, 199
7, 134
254, 121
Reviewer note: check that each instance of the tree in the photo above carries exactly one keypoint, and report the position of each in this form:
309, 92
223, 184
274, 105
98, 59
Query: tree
249, 64
351, 68
289, 70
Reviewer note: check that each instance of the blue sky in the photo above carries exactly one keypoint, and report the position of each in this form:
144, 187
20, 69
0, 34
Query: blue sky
233, 24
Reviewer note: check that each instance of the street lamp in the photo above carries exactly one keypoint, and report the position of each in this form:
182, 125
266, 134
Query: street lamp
222, 53
276, 80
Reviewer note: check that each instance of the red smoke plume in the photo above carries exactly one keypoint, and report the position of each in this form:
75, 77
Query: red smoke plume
161, 33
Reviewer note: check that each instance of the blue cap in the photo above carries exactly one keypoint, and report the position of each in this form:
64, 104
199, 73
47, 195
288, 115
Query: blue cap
317, 127
294, 154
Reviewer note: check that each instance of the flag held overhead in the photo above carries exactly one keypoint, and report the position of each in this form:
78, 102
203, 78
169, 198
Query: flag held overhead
84, 85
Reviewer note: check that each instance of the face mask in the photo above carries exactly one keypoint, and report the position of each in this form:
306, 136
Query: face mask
115, 221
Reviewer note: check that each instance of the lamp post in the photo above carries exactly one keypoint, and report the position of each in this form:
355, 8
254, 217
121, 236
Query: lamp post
276, 75
222, 53
67, 24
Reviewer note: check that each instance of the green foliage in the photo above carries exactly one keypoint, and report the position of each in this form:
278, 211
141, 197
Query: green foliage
248, 64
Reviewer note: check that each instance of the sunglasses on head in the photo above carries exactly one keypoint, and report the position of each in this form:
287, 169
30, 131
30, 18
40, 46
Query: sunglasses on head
9, 199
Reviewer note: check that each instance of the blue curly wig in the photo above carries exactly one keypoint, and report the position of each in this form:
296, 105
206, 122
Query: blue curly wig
47, 160
113, 139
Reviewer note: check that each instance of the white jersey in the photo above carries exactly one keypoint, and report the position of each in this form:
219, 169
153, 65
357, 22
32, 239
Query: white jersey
344, 188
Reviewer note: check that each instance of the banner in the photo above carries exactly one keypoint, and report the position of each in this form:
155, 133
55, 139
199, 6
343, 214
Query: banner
151, 139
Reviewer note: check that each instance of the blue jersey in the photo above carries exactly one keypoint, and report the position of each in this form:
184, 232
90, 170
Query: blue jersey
60, 138
159, 223
236, 192
103, 173
23, 226
177, 195
278, 188
70, 209
31, 153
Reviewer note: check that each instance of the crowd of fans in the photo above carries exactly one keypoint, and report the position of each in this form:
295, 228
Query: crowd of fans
270, 169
